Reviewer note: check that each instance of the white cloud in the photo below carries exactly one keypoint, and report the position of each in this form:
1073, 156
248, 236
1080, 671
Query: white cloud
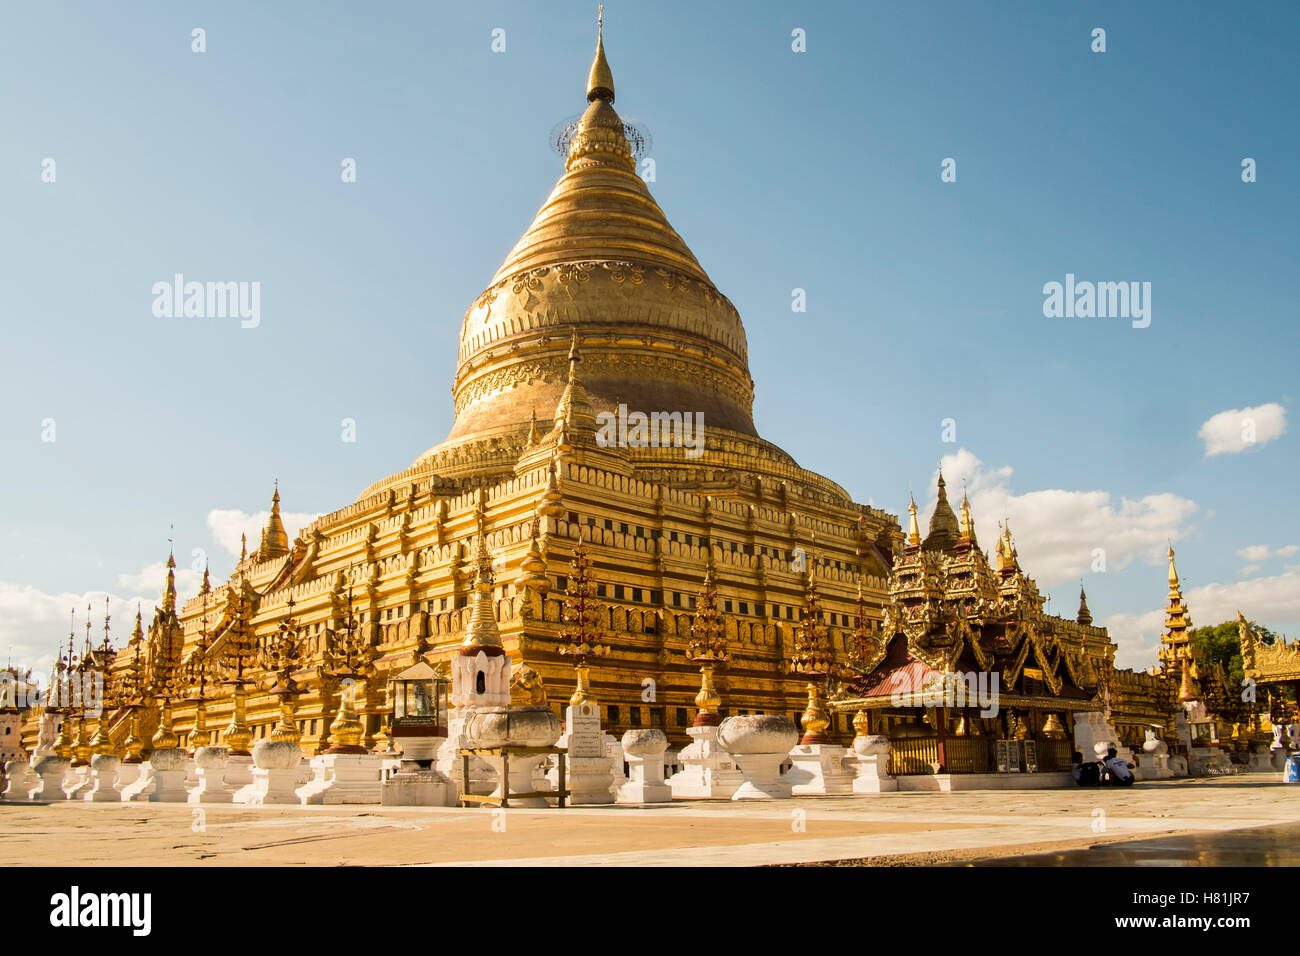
1250, 569
1057, 531
1272, 601
1262, 552
1137, 637
152, 579
34, 624
227, 525
1233, 431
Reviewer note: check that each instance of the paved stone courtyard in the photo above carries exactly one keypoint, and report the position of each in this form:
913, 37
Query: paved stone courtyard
888, 829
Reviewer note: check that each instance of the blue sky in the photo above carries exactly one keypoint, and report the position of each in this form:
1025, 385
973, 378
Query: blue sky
782, 170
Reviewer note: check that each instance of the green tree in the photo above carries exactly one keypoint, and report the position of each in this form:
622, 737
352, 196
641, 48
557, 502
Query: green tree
1221, 644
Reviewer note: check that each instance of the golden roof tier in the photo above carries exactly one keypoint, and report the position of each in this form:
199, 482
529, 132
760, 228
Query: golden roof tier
601, 270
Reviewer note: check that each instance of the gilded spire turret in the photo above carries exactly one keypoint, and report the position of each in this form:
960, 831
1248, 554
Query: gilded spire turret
275, 542
169, 589
574, 410
1008, 560
207, 581
482, 631
1175, 640
1084, 616
943, 532
532, 429
552, 504
967, 530
533, 567
914, 530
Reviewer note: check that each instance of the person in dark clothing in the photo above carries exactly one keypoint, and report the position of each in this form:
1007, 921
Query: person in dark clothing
1085, 774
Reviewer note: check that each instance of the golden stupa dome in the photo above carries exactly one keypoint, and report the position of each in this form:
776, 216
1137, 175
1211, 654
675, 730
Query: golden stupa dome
600, 272
601, 260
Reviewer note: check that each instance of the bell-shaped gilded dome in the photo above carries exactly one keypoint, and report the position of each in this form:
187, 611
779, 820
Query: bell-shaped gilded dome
601, 261
602, 275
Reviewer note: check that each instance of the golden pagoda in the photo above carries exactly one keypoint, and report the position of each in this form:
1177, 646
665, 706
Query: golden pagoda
599, 306
1175, 644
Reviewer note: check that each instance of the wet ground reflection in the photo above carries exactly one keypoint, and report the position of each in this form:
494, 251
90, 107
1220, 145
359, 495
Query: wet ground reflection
1257, 846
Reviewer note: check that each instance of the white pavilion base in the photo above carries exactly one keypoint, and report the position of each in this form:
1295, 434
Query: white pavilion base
644, 751
818, 769
210, 763
77, 783
416, 788
20, 781
169, 787
277, 773
449, 764
614, 751
52, 771
1153, 767
127, 774
239, 777
706, 771
526, 776
141, 788
104, 779
273, 787
343, 778
870, 770
762, 773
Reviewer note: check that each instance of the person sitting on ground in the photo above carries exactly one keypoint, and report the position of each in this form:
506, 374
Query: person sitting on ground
1119, 770
1085, 774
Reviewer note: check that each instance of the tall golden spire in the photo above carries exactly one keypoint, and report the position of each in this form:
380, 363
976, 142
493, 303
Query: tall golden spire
967, 524
600, 81
107, 645
914, 530
85, 655
1175, 641
169, 590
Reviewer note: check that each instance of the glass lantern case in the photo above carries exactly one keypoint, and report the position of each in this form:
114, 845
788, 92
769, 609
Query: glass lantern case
419, 696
